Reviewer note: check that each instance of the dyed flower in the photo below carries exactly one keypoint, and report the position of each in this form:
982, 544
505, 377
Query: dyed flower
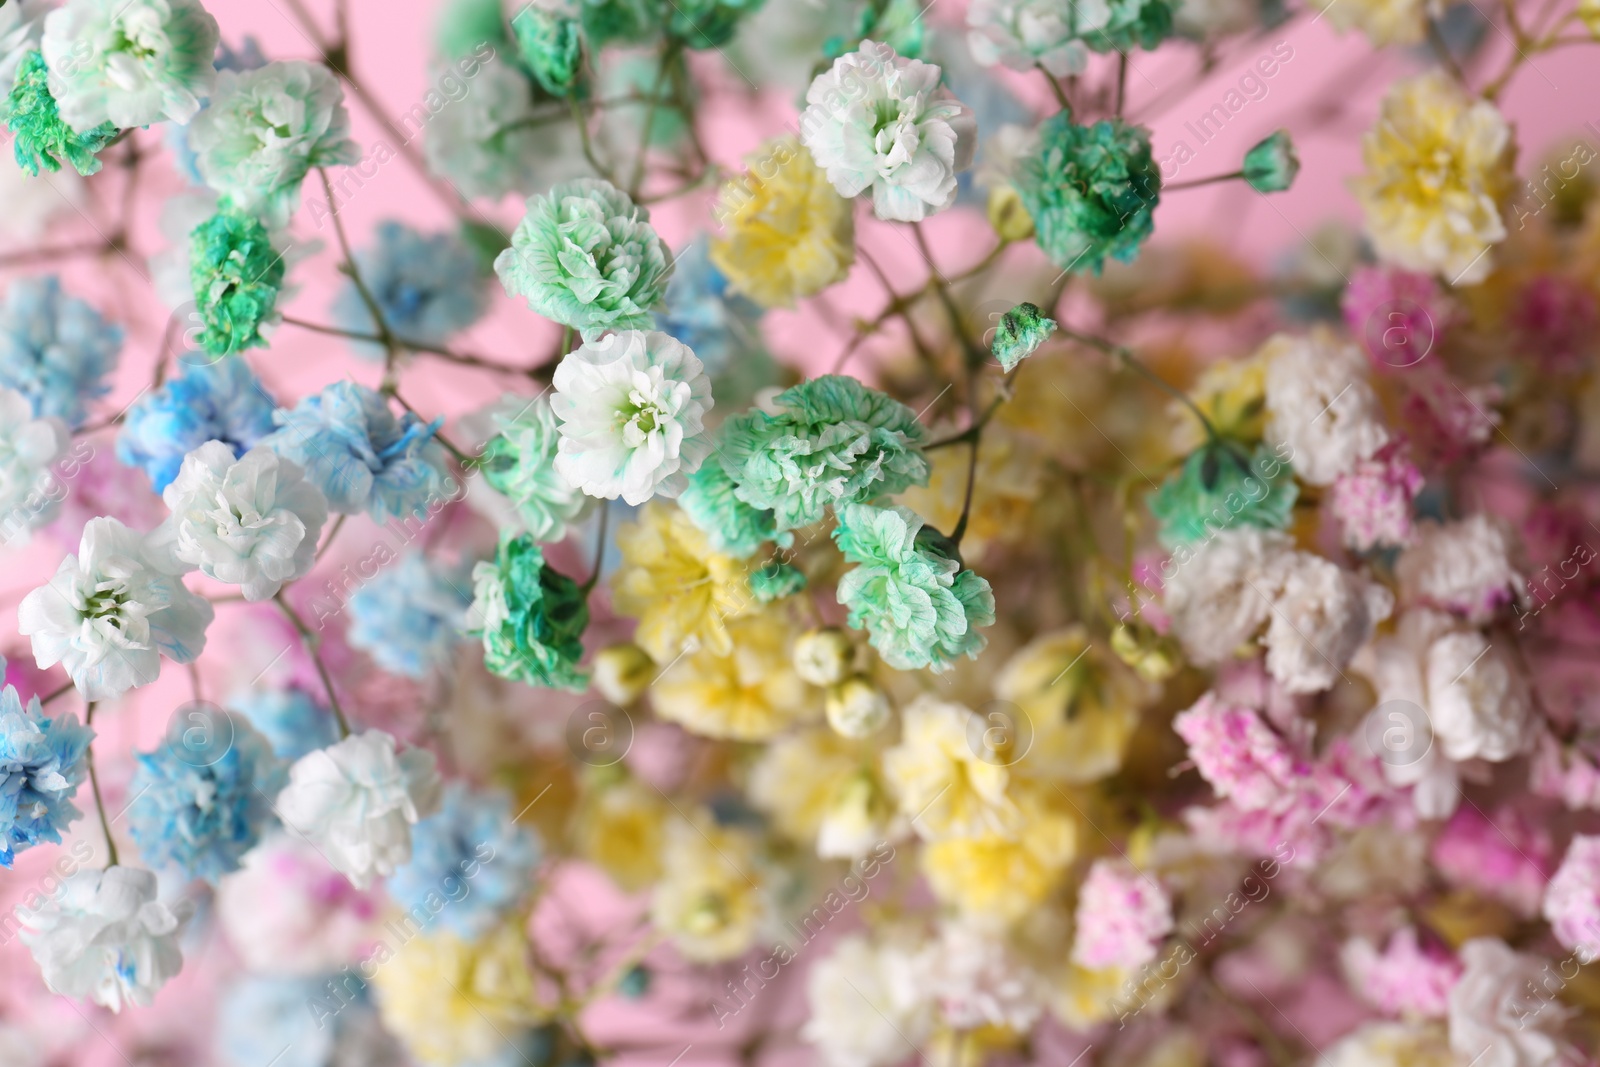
1222, 484
198, 810
632, 407
293, 721
710, 899
1572, 899
1321, 615
1385, 22
750, 694
1270, 166
734, 527
530, 617
409, 617
361, 455
260, 1010
1222, 593
999, 878
43, 139
55, 349
236, 276
1405, 979
217, 401
21, 27
427, 287
869, 1002
708, 23
1235, 750
1373, 500
1463, 566
29, 450
1022, 34
776, 580
979, 980
266, 129
41, 766
550, 44
722, 328
147, 60
879, 121
1121, 919
1322, 414
1397, 315
949, 785
1490, 1013
357, 801
1438, 169
910, 591
831, 442
1091, 191
285, 912
519, 463
1020, 333
472, 841
107, 616
103, 936
491, 142
680, 589
586, 256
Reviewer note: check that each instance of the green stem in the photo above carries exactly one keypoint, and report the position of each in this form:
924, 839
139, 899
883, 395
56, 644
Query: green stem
1128, 359
94, 784
391, 351
599, 547
1198, 182
309, 639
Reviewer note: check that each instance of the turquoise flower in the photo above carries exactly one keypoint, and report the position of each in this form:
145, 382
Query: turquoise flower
1221, 485
833, 441
1271, 166
586, 256
909, 591
619, 21
551, 46
708, 23
734, 528
237, 276
43, 140
1091, 191
530, 617
519, 464
1020, 333
1128, 24
775, 580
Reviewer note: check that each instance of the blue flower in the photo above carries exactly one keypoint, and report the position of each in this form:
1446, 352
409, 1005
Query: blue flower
361, 455
220, 401
314, 1021
55, 349
410, 616
718, 325
202, 801
470, 863
41, 766
427, 286
294, 722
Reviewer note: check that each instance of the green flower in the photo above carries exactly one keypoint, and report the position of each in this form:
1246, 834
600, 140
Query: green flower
465, 26
1129, 23
708, 23
519, 464
1020, 333
909, 590
619, 21
586, 256
834, 441
1221, 485
776, 580
1270, 166
896, 23
236, 275
1091, 191
43, 140
734, 527
530, 617
551, 46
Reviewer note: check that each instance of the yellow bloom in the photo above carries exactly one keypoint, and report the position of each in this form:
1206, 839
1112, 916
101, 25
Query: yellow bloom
824, 789
1385, 22
453, 1001
789, 235
620, 829
1010, 479
709, 900
1000, 878
948, 784
678, 588
750, 694
1232, 393
1438, 169
1083, 999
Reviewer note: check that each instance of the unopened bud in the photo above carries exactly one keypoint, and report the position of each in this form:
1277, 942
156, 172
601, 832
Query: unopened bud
856, 707
621, 673
823, 657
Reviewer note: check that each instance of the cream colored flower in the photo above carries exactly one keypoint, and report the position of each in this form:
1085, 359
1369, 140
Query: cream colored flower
938, 771
750, 694
710, 899
679, 589
1385, 22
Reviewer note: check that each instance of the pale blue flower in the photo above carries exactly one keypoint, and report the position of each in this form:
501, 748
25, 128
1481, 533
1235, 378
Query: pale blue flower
321, 1021
293, 721
426, 285
410, 616
221, 401
718, 325
41, 766
55, 349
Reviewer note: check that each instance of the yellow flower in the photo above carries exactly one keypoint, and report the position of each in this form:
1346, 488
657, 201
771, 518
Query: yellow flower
948, 784
709, 900
789, 235
453, 1001
678, 588
1385, 22
1438, 169
620, 829
750, 694
1232, 394
824, 789
1000, 878
1083, 999
1010, 479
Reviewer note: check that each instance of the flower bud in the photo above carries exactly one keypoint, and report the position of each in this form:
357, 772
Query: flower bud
824, 656
856, 707
1007, 214
1153, 657
621, 673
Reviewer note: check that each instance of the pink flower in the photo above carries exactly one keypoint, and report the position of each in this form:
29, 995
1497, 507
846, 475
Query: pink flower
1290, 832
1448, 421
1565, 773
1509, 859
1405, 978
1555, 320
1122, 917
1572, 899
1239, 754
1398, 316
1373, 501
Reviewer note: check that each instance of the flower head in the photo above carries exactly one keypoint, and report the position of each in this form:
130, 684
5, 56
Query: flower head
531, 617
43, 139
942, 779
491, 142
427, 286
147, 60
1406, 978
236, 275
1091, 190
750, 694
1270, 166
712, 502
29, 449
1322, 413
1397, 315
868, 1001
1322, 614
1235, 750
218, 401
1221, 484
1222, 592
519, 463
1022, 34
41, 767
292, 720
1122, 917
410, 616
550, 43
1462, 566
679, 587
1020, 333
1372, 501
1489, 1008
711, 898
55, 349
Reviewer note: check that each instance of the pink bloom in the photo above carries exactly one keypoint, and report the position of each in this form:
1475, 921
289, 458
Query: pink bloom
1555, 320
1373, 501
1405, 978
1397, 315
1565, 773
1122, 917
1239, 754
1448, 421
1572, 899
285, 911
1289, 831
1509, 859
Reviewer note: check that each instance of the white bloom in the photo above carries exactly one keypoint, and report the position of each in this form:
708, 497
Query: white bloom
108, 616
104, 936
29, 489
1499, 1015
869, 1005
1320, 404
1386, 1044
1462, 566
1022, 34
129, 62
1221, 594
251, 522
489, 143
978, 981
1320, 618
286, 913
21, 25
632, 407
357, 801
1478, 702
880, 121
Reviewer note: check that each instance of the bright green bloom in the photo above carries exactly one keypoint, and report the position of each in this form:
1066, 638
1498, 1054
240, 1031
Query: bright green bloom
530, 617
619, 21
551, 46
1270, 166
586, 256
236, 275
1020, 333
734, 527
833, 441
43, 140
465, 26
1091, 191
708, 23
1130, 23
910, 592
896, 23
776, 580
1221, 485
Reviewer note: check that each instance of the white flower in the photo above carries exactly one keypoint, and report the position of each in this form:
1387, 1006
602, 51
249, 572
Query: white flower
129, 62
104, 936
357, 801
1478, 702
21, 24
29, 489
1386, 1044
1322, 615
869, 1005
490, 141
1320, 405
108, 616
632, 407
879, 121
1499, 1016
1221, 594
978, 981
1022, 34
251, 522
285, 912
1462, 566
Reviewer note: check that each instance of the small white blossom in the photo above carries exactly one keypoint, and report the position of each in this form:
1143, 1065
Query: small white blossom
21, 25
1320, 404
1322, 615
1023, 34
129, 62
29, 489
1391, 1044
977, 980
1497, 1018
1478, 701
1463, 566
869, 1004
1221, 594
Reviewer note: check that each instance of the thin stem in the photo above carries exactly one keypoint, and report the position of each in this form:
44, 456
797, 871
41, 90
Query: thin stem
384, 336
94, 783
333, 531
668, 54
1441, 50
45, 255
588, 145
310, 641
972, 480
45, 700
1198, 182
465, 359
599, 547
1060, 93
1122, 81
1128, 359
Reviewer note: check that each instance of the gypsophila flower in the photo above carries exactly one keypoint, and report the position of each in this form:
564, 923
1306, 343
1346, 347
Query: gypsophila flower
55, 349
1235, 750
776, 580
1020, 333
867, 1001
198, 809
1322, 413
519, 463
41, 766
146, 60
260, 1010
358, 800
550, 43
531, 618
708, 23
236, 275
1373, 500
1220, 485
103, 936
293, 721
879, 121
1321, 615
21, 27
1122, 917
29, 450
632, 407
719, 326
1221, 593
1397, 315
1572, 899
108, 616
43, 139
586, 256
734, 527
1406, 978
427, 287
489, 143
1462, 566
1023, 34
410, 617
220, 401
1490, 1014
